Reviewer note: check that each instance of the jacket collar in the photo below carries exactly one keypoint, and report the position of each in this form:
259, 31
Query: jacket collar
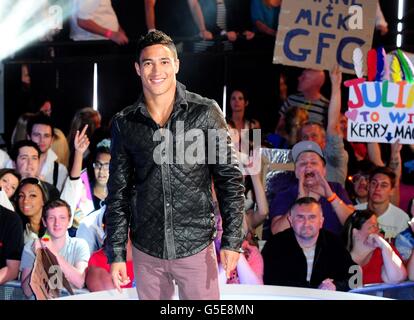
180, 100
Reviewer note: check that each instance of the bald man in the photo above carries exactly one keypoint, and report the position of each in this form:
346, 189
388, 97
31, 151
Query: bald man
309, 97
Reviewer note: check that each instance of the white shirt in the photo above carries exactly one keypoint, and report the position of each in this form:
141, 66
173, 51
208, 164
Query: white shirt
47, 169
5, 201
100, 11
392, 221
4, 159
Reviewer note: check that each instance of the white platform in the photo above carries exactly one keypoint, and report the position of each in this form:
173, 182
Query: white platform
240, 292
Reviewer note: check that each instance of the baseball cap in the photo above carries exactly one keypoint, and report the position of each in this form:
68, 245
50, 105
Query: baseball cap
306, 146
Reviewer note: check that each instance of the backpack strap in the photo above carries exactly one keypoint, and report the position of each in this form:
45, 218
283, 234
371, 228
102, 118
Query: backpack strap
55, 173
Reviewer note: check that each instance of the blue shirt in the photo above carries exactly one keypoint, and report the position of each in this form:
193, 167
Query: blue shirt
267, 15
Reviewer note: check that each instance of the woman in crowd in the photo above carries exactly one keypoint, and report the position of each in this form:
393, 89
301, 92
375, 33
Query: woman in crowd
238, 118
9, 181
377, 258
31, 195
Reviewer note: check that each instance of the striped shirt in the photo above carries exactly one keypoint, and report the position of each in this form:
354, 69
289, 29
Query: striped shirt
221, 15
317, 109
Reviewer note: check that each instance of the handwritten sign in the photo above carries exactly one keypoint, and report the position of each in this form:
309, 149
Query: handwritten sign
320, 33
47, 279
380, 111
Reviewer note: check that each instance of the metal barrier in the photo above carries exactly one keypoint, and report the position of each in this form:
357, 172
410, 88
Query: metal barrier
12, 290
401, 291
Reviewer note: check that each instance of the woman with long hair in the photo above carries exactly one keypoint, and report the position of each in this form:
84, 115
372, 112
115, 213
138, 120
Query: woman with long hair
31, 196
377, 258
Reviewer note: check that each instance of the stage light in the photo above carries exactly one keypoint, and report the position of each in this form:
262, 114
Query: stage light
24, 21
95, 87
400, 24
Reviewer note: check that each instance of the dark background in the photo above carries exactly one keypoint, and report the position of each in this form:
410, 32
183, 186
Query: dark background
66, 76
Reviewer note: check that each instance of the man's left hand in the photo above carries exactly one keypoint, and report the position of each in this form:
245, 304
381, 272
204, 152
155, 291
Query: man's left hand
229, 260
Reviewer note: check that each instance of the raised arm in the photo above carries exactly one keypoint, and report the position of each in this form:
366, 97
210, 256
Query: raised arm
393, 270
334, 110
73, 188
81, 144
150, 14
256, 217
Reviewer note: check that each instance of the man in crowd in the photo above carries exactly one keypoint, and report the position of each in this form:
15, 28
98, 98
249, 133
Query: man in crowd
40, 130
306, 255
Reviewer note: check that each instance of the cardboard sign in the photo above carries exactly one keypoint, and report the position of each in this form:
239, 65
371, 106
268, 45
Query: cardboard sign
380, 111
320, 34
47, 278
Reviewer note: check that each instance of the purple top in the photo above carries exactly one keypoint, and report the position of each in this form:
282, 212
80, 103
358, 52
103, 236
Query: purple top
284, 199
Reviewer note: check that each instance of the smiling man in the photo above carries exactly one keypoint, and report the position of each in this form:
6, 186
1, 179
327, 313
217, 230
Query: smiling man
172, 216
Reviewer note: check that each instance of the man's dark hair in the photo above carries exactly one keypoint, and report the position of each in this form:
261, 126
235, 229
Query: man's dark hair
153, 38
355, 221
304, 201
58, 203
34, 181
13, 172
20, 144
39, 118
385, 171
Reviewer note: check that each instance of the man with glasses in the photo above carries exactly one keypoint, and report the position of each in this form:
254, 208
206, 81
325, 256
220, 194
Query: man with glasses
391, 219
360, 187
357, 184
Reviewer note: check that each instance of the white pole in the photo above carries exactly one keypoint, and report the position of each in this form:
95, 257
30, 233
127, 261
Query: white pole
95, 87
224, 100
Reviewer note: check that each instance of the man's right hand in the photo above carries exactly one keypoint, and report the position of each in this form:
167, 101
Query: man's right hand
119, 275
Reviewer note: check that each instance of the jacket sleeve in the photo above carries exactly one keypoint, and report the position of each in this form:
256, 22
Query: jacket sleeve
118, 212
228, 180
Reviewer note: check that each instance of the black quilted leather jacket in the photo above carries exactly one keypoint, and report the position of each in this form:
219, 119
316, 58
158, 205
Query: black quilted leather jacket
169, 205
